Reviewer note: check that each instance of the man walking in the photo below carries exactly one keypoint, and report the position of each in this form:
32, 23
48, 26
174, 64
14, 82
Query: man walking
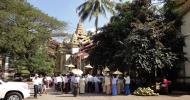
127, 83
36, 84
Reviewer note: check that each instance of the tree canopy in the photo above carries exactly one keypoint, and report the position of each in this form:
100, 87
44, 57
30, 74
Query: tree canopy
24, 30
137, 38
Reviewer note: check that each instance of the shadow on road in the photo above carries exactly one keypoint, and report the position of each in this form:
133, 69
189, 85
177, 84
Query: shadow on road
178, 94
81, 95
65, 96
31, 97
93, 94
55, 93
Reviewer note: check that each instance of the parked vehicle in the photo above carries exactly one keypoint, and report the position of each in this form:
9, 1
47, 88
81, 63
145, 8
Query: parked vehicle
14, 90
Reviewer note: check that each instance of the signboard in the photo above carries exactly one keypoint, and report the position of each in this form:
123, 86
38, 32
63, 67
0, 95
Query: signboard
75, 50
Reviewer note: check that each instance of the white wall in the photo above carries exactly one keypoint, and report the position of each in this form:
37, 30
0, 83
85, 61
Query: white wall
185, 28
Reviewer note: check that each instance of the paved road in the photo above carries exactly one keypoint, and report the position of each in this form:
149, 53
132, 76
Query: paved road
58, 96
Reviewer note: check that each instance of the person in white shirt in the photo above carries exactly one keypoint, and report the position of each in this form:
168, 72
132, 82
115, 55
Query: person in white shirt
89, 80
59, 82
36, 84
127, 83
40, 80
77, 79
76, 85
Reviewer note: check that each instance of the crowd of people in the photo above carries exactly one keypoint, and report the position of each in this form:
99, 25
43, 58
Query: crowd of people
80, 84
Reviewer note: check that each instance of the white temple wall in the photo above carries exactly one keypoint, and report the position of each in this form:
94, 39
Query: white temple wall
185, 28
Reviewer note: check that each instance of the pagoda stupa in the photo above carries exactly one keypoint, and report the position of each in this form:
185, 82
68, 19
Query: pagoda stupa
80, 37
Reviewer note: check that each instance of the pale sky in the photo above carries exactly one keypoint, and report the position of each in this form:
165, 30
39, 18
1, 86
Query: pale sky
65, 10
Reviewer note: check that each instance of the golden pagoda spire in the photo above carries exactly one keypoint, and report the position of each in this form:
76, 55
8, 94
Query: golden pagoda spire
80, 36
80, 29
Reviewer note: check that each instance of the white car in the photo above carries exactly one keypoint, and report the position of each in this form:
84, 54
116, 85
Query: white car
14, 90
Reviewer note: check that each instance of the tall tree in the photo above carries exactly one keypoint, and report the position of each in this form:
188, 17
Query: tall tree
137, 38
23, 31
95, 8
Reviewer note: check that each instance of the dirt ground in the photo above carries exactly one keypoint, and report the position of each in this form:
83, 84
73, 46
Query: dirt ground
59, 96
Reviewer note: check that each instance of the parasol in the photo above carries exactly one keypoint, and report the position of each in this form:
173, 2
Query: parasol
117, 72
106, 69
70, 65
88, 66
77, 71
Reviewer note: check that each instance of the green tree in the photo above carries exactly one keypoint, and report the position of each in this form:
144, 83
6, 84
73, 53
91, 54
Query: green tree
95, 8
23, 30
139, 39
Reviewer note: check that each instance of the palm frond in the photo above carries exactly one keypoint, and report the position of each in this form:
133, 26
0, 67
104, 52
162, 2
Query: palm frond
85, 9
94, 8
109, 6
103, 11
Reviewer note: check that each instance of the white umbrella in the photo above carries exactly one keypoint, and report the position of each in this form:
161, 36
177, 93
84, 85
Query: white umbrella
70, 65
88, 66
117, 72
106, 69
77, 71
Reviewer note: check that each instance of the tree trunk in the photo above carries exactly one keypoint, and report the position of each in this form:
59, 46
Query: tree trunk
96, 24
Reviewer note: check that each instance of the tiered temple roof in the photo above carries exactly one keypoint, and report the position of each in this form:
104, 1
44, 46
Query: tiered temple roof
80, 37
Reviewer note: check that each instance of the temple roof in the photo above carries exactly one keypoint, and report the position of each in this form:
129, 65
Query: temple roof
80, 37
